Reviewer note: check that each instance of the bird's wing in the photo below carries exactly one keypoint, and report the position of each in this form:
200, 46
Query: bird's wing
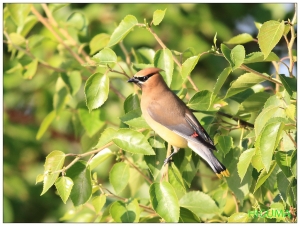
182, 123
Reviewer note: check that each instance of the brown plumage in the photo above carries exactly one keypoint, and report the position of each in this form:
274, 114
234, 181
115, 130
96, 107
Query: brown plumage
171, 119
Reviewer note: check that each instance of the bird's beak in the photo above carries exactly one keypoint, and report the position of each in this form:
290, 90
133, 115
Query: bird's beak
133, 79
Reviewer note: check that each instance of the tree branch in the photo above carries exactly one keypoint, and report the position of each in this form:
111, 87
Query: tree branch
242, 122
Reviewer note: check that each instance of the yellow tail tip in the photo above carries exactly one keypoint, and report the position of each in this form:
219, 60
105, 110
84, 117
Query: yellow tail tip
224, 173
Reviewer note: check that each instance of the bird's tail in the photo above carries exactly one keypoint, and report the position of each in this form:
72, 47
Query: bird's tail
209, 157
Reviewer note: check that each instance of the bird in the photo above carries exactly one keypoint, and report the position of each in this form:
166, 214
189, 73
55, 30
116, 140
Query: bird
172, 120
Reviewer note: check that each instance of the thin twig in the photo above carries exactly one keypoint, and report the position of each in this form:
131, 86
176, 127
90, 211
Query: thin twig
276, 66
242, 122
148, 209
292, 40
137, 169
117, 92
244, 67
236, 202
289, 135
127, 57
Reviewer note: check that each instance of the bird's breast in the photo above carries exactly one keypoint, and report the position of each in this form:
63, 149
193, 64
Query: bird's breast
165, 133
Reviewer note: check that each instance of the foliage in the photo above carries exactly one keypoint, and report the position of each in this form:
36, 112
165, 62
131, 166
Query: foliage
116, 173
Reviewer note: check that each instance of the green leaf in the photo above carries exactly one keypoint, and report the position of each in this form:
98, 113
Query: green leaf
220, 82
294, 163
164, 201
144, 55
155, 162
268, 140
187, 216
224, 144
61, 96
239, 218
30, 69
175, 179
77, 20
135, 119
244, 162
290, 84
45, 124
105, 56
72, 81
132, 102
240, 188
283, 159
29, 23
53, 7
292, 193
290, 112
215, 39
194, 201
163, 59
98, 202
106, 137
267, 113
264, 175
91, 121
243, 82
235, 57
39, 178
132, 141
158, 16
100, 157
282, 182
240, 39
201, 101
64, 186
122, 30
128, 212
96, 90
269, 35
187, 162
259, 57
98, 42
256, 161
16, 39
254, 102
257, 25
54, 162
188, 66
18, 12
119, 176
81, 176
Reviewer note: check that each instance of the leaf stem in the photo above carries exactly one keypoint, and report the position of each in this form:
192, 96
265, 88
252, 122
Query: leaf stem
137, 169
147, 209
244, 67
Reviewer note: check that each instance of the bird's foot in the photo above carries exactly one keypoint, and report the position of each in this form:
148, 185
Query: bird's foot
168, 160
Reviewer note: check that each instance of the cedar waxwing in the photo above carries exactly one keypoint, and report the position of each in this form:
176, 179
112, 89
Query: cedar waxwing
171, 119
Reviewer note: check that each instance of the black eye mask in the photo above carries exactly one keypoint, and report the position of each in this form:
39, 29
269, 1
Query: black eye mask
144, 78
